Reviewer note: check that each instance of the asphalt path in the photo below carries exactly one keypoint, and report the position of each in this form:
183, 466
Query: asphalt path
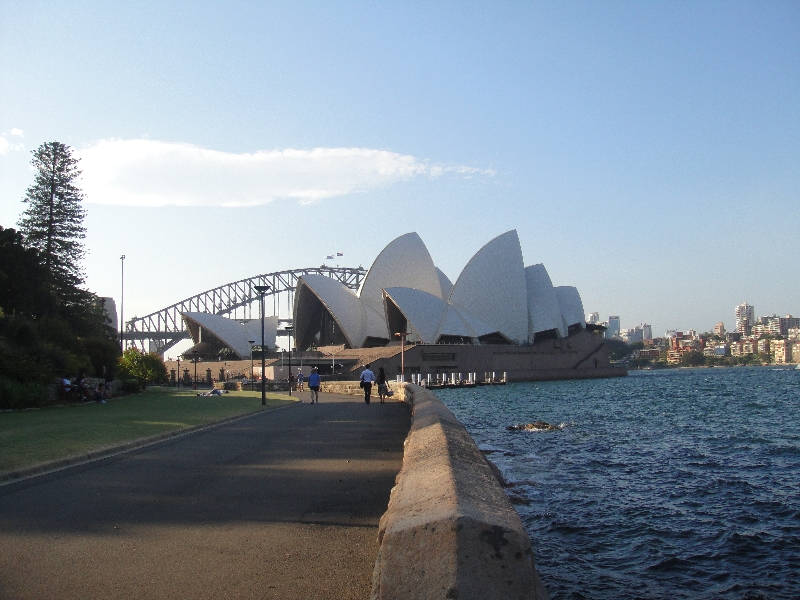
284, 504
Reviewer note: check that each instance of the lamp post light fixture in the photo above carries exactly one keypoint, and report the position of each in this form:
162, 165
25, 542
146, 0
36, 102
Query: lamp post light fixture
252, 375
402, 337
178, 382
194, 387
122, 306
289, 330
262, 289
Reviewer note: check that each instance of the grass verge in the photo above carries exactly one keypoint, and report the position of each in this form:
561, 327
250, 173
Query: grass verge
30, 437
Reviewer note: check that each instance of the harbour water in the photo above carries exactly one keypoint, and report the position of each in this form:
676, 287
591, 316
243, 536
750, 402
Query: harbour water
664, 484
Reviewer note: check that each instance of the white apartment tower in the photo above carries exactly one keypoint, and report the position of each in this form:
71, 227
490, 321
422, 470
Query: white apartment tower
745, 317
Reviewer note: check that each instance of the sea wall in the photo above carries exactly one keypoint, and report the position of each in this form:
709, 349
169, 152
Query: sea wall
352, 388
450, 531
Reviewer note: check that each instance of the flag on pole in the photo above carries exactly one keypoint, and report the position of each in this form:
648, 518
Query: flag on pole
329, 257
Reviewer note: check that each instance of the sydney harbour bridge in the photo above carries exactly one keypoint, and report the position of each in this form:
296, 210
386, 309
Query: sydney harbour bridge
162, 329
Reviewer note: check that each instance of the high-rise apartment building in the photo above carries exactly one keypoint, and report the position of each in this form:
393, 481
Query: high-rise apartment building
593, 318
647, 331
613, 327
745, 317
719, 329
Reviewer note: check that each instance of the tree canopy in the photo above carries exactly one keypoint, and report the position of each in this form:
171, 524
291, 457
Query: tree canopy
53, 221
145, 368
49, 325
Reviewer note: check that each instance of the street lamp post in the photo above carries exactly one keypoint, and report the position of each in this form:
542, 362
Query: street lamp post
289, 330
178, 382
252, 375
262, 289
122, 306
402, 337
194, 387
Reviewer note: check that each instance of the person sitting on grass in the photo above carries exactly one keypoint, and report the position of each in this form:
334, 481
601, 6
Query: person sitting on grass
100, 393
66, 386
81, 393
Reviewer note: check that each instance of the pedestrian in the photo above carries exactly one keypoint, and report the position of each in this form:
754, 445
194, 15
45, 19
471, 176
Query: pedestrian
367, 379
300, 380
313, 385
109, 378
383, 387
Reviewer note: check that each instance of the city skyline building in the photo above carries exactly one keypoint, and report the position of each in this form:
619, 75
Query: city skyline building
745, 317
613, 327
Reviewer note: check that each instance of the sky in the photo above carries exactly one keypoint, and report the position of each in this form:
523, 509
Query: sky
647, 153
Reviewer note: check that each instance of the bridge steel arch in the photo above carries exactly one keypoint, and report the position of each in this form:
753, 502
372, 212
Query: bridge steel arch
165, 327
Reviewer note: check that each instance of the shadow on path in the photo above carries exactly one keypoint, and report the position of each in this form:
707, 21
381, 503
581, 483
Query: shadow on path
284, 504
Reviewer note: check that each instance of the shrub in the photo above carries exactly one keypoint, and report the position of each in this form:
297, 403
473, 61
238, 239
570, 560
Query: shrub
146, 368
130, 386
15, 395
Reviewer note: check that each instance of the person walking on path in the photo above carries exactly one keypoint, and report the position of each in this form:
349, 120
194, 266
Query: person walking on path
383, 388
300, 380
313, 385
367, 379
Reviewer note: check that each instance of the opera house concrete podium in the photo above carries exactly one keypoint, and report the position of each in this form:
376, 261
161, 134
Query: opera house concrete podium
499, 317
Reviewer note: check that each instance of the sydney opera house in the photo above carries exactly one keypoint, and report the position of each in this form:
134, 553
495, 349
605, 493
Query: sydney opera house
495, 300
498, 317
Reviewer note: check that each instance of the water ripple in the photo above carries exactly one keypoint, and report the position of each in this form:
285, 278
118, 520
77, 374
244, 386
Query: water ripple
664, 484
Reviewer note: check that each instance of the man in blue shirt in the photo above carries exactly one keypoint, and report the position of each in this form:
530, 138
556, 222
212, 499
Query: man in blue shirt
367, 378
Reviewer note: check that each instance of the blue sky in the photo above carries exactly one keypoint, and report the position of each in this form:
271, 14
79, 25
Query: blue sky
647, 153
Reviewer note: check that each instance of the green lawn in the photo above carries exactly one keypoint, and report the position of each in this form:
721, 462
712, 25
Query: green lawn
29, 437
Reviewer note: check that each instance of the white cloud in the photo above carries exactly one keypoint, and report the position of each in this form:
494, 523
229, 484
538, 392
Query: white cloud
6, 146
18, 132
152, 173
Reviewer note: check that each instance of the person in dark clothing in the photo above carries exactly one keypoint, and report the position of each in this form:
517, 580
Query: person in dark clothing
367, 379
383, 386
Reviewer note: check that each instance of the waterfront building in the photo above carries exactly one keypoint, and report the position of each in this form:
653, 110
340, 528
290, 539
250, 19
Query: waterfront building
745, 317
215, 335
793, 333
674, 357
796, 352
763, 346
736, 349
788, 322
495, 300
750, 346
781, 351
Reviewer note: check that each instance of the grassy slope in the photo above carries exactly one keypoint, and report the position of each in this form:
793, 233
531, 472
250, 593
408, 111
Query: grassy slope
33, 436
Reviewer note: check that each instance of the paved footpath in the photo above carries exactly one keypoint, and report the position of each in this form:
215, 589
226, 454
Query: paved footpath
284, 504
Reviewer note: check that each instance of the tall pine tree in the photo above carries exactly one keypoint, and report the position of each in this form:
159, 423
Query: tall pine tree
53, 221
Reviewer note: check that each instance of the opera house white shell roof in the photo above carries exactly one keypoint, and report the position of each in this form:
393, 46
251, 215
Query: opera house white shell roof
495, 299
224, 332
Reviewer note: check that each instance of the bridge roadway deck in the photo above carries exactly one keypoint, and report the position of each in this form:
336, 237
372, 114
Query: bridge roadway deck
284, 504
